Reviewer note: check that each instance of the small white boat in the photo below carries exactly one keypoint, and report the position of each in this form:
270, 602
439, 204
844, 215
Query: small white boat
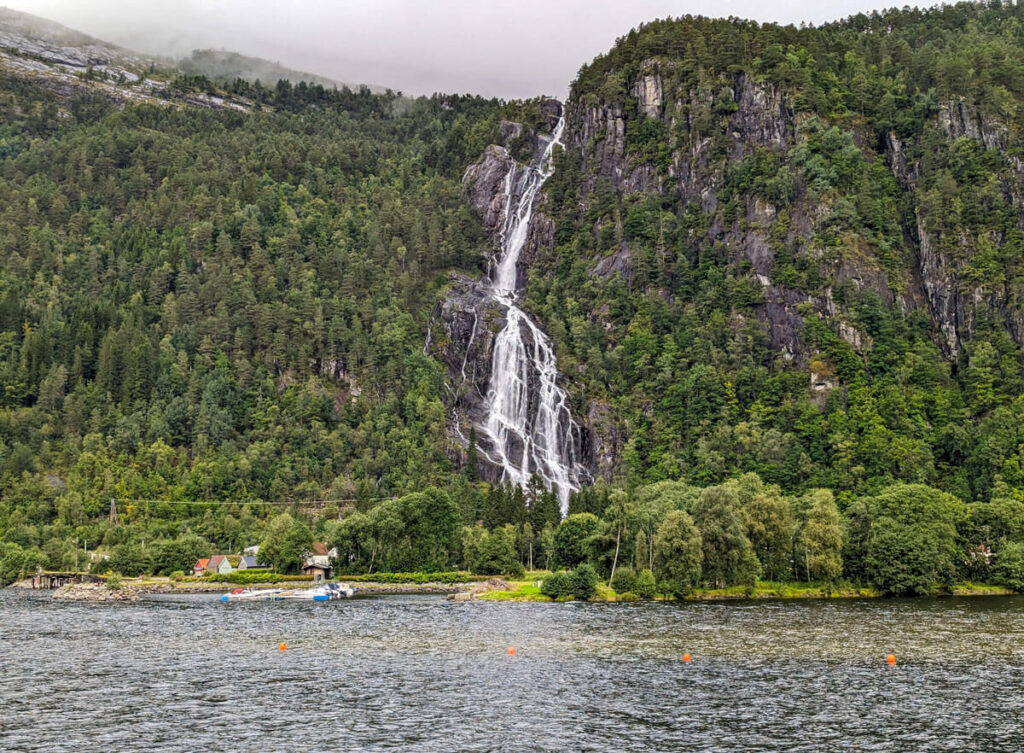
252, 594
326, 592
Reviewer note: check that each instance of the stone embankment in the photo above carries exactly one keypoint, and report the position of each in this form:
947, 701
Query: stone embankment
95, 592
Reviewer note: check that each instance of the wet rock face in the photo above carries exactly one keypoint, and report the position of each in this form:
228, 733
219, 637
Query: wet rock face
469, 319
483, 186
465, 325
486, 188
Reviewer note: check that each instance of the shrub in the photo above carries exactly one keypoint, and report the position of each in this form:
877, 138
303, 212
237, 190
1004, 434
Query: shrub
1009, 567
557, 585
130, 559
451, 576
12, 563
644, 586
492, 552
178, 575
624, 580
245, 577
584, 582
905, 560
113, 582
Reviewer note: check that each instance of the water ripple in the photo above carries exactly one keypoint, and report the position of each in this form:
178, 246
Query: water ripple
420, 673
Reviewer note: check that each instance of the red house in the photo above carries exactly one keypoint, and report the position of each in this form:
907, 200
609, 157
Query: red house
199, 569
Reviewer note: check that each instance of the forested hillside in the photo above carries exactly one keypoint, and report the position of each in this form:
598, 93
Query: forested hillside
210, 305
789, 252
797, 251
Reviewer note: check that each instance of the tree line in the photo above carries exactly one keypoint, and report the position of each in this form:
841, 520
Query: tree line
668, 537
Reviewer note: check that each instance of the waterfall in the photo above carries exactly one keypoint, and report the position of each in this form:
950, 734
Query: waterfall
528, 424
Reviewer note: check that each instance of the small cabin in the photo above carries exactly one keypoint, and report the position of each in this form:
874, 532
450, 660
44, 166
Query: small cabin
319, 567
201, 566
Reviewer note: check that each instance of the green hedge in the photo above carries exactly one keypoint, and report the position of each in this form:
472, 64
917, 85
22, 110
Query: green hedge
445, 577
251, 576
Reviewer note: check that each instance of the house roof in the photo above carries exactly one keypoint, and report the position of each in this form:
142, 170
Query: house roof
317, 565
250, 561
319, 547
216, 559
233, 559
202, 564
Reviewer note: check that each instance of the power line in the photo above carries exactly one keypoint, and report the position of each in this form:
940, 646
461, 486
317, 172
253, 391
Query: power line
221, 502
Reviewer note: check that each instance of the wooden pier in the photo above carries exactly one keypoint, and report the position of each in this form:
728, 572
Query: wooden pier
48, 580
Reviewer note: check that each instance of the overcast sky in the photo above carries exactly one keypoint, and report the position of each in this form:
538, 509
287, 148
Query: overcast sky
504, 48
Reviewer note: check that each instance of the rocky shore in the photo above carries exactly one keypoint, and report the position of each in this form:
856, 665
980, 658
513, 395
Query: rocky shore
362, 587
95, 592
130, 590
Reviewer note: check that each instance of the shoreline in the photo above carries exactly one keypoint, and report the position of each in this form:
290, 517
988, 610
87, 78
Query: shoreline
526, 592
362, 587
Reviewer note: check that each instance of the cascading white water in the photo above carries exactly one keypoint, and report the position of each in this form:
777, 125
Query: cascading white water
528, 433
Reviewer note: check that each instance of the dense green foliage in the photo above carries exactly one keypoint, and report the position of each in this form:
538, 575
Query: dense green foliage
677, 550
226, 308
452, 576
908, 539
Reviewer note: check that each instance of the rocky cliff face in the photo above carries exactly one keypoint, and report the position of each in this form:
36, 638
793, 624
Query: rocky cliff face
702, 152
72, 64
462, 338
942, 268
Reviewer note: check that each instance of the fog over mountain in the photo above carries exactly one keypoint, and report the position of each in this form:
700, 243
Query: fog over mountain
498, 48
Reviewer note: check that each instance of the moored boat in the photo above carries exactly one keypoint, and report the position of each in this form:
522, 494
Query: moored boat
325, 592
252, 594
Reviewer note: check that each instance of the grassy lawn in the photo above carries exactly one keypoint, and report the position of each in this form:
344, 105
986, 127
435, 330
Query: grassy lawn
527, 590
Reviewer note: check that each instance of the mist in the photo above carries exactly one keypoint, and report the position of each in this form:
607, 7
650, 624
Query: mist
521, 48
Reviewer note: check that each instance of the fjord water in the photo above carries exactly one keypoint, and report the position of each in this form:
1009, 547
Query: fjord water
529, 427
420, 673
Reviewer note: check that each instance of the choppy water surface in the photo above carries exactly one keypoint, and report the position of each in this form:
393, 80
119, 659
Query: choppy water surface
420, 673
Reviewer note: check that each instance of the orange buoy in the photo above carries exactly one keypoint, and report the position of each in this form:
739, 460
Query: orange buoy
511, 651
686, 658
891, 660
282, 646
